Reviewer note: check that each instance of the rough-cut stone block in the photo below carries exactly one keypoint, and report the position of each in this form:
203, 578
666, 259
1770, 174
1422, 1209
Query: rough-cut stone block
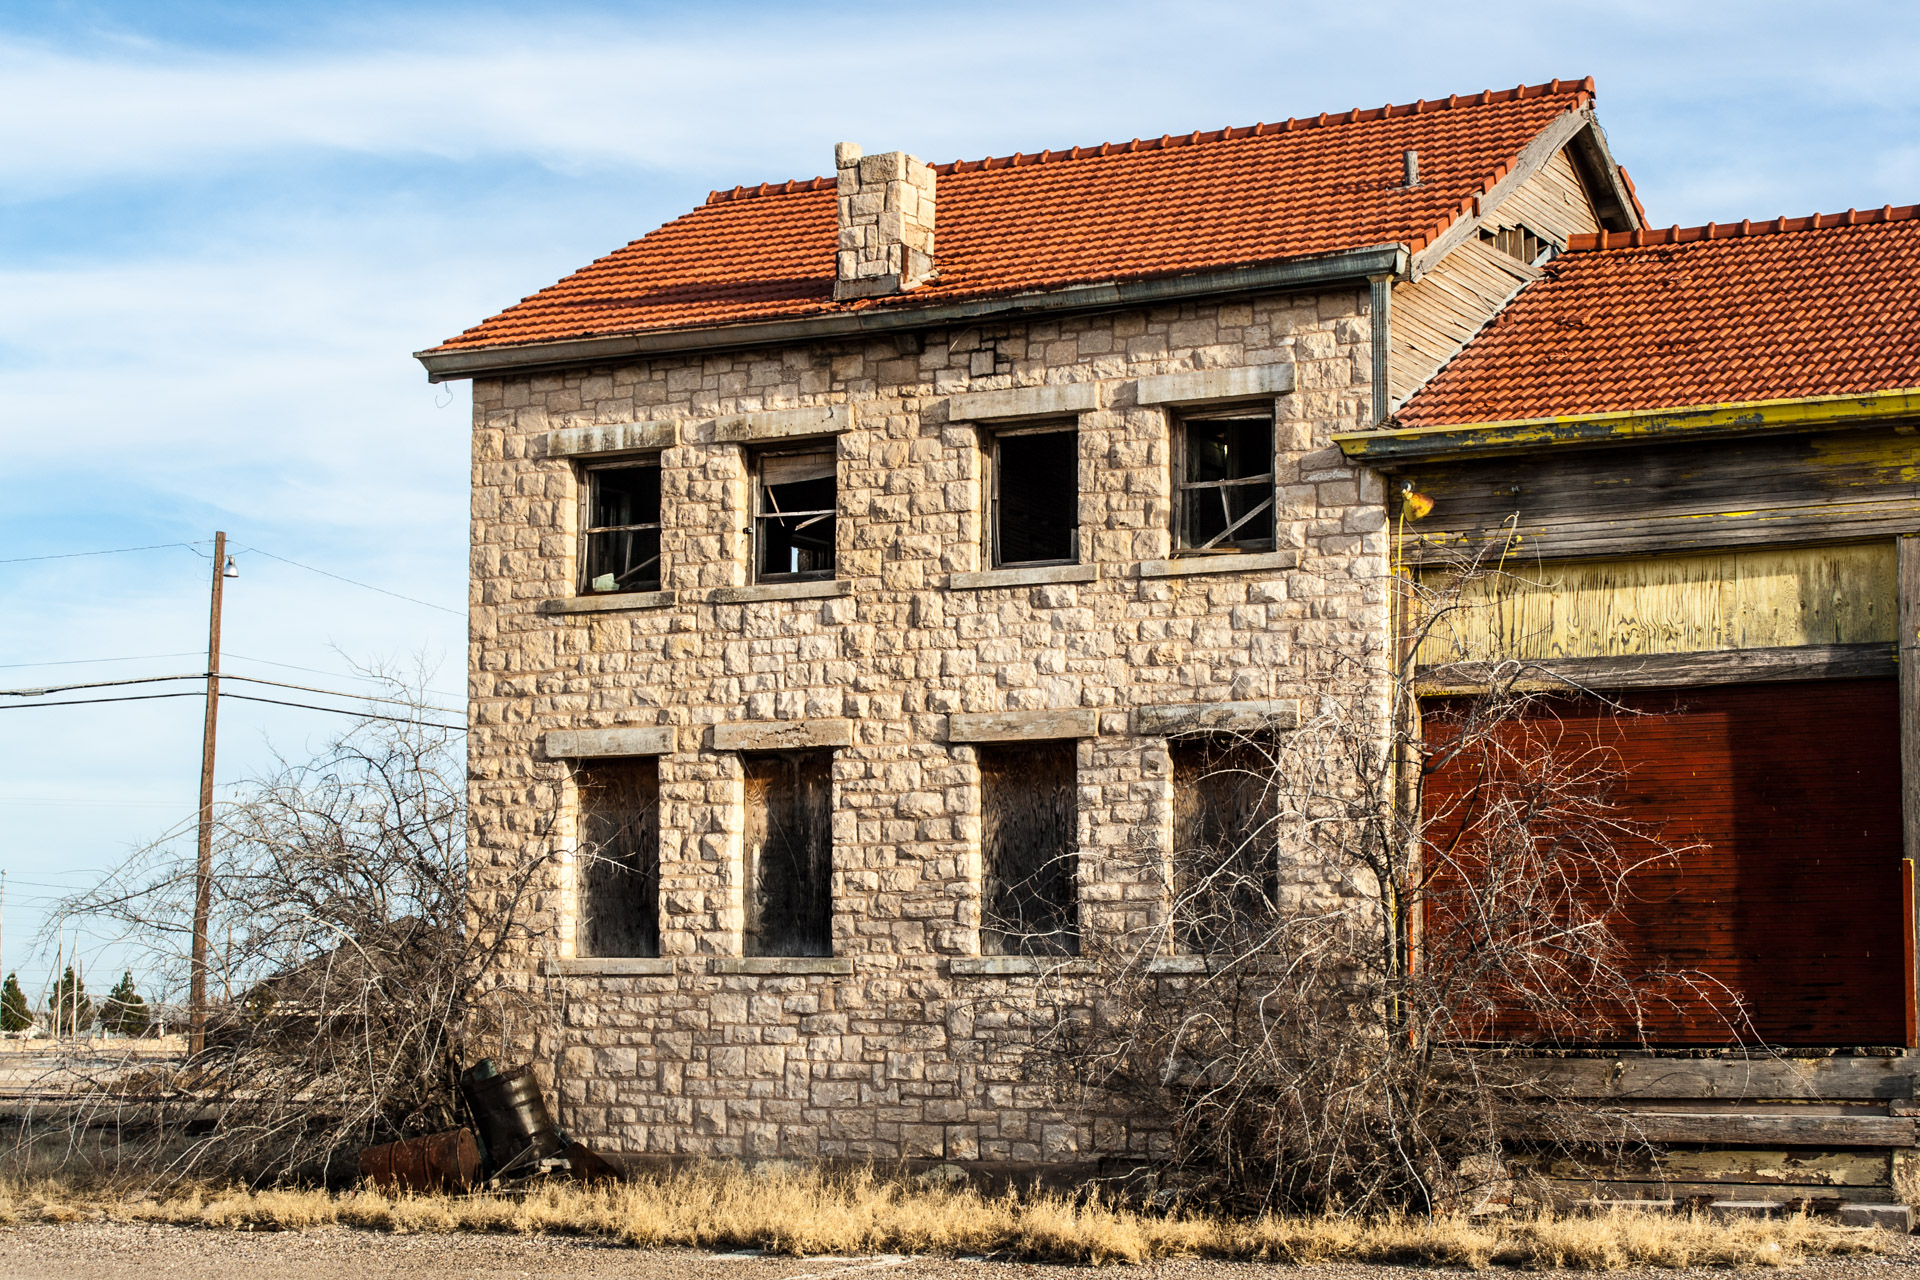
610, 437
585, 744
781, 735
1250, 562
618, 602
783, 424
1216, 384
1025, 402
1216, 717
1022, 726
1027, 576
1889, 1217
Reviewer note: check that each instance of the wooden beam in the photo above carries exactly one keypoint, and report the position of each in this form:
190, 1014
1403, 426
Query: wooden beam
1908, 573
1837, 1079
1666, 670
1751, 1130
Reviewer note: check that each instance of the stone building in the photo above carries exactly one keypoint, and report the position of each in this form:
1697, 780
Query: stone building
854, 557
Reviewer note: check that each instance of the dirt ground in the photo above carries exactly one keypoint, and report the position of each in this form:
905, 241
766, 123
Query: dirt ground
115, 1251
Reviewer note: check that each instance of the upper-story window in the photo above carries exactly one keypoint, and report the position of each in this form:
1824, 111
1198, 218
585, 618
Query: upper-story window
1034, 496
1223, 481
1521, 242
620, 548
794, 504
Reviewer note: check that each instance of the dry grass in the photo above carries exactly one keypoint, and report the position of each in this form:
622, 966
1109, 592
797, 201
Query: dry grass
797, 1211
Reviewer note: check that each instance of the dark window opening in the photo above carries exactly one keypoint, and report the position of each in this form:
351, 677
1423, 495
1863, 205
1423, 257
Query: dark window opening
1036, 496
1225, 864
622, 538
618, 871
1522, 243
1225, 498
789, 853
794, 507
1028, 796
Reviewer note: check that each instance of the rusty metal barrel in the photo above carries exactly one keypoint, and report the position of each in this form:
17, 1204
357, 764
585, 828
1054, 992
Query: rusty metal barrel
447, 1161
512, 1115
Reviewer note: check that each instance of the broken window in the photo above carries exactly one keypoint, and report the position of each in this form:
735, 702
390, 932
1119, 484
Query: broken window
1225, 865
1035, 496
621, 550
1028, 807
1521, 242
1224, 478
789, 853
794, 504
617, 873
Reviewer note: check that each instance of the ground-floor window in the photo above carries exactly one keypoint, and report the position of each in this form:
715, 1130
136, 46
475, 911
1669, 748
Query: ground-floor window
789, 853
617, 877
1028, 815
1224, 844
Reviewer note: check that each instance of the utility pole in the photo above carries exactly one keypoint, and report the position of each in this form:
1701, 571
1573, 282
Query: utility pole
203, 866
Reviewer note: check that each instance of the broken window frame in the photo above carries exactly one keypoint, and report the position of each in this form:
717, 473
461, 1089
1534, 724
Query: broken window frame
1040, 914
600, 887
589, 499
1241, 913
1523, 243
811, 936
809, 517
1183, 486
996, 509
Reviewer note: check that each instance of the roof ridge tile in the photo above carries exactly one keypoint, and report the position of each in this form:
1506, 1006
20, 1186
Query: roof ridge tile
1594, 241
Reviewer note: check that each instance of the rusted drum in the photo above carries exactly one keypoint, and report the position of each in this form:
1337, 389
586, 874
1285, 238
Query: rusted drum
514, 1122
447, 1161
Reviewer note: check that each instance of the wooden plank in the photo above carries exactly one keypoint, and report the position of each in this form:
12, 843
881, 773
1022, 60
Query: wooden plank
1750, 1130
1908, 572
1739, 1165
1860, 1078
1613, 1189
1670, 670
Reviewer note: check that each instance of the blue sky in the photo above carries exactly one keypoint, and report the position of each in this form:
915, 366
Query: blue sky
225, 227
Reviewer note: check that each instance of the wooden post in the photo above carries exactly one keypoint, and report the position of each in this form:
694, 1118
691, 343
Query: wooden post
203, 864
1908, 656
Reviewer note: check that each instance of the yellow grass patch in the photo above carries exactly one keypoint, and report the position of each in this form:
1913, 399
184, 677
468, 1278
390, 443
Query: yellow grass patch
807, 1211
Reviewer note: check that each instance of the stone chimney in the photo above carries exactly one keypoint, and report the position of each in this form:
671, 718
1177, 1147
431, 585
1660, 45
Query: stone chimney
886, 223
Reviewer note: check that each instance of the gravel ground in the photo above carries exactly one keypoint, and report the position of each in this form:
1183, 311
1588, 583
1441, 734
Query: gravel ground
113, 1251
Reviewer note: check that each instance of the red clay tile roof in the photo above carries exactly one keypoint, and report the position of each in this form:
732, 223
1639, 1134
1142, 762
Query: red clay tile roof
1795, 307
1161, 206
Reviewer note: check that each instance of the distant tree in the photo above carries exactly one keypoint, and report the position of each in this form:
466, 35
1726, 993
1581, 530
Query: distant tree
15, 1014
124, 1011
71, 1009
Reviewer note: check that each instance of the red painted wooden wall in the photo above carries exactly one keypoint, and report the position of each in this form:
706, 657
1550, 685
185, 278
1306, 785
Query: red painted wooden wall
1793, 896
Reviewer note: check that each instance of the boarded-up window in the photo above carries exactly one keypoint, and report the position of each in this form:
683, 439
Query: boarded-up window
618, 868
1784, 801
789, 853
1027, 831
1036, 496
1224, 862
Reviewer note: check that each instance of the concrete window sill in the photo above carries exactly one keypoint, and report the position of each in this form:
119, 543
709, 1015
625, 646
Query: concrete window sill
783, 966
611, 967
1018, 966
818, 590
1039, 575
1252, 562
611, 603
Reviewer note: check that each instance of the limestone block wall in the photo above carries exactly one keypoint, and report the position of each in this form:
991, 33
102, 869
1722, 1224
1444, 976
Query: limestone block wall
883, 1051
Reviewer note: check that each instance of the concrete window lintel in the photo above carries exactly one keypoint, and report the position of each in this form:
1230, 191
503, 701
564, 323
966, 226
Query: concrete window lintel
820, 589
1060, 399
782, 966
784, 424
1204, 717
610, 438
1017, 966
588, 744
1018, 576
1251, 562
610, 967
1023, 726
781, 735
610, 603
1205, 386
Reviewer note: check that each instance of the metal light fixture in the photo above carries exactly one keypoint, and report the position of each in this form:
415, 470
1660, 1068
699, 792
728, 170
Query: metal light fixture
232, 570
1415, 506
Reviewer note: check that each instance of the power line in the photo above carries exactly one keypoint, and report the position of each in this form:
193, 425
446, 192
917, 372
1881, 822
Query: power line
458, 613
96, 684
342, 711
194, 693
81, 662
114, 551
318, 671
201, 675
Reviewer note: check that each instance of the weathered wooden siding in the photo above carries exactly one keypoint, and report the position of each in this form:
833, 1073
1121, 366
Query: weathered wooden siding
1765, 905
1843, 486
1434, 316
1744, 599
